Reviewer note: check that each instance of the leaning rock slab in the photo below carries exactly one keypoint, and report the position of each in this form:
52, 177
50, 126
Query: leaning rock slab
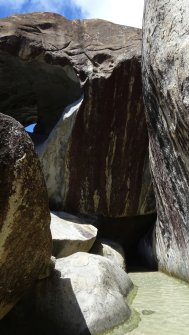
166, 89
101, 163
25, 239
70, 237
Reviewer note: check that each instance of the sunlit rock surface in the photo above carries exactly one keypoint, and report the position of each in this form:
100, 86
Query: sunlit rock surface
25, 239
103, 151
166, 89
69, 236
86, 295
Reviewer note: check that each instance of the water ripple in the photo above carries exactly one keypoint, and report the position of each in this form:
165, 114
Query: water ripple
162, 303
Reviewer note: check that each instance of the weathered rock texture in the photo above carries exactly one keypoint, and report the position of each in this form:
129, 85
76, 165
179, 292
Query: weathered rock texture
104, 154
25, 240
86, 295
70, 237
166, 88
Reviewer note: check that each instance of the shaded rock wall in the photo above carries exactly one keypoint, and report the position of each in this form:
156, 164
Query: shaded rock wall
107, 164
166, 83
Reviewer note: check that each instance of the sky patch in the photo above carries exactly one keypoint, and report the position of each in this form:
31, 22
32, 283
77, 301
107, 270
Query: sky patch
127, 12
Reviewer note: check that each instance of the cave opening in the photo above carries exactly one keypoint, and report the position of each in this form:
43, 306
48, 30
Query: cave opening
134, 234
36, 92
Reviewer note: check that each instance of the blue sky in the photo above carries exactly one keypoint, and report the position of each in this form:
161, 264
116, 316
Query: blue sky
64, 7
128, 12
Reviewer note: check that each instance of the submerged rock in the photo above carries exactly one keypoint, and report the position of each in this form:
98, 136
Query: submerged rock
166, 83
70, 237
101, 162
25, 239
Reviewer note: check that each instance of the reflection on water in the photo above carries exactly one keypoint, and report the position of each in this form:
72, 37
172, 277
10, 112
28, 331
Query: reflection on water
162, 303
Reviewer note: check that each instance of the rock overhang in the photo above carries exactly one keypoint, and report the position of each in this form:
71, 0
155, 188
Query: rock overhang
40, 51
36, 92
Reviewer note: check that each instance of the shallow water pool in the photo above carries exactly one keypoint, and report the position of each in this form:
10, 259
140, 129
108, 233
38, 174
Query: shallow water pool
162, 303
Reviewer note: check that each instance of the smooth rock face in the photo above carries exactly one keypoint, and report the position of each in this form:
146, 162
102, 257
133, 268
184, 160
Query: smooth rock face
102, 160
111, 250
85, 295
166, 88
25, 239
69, 237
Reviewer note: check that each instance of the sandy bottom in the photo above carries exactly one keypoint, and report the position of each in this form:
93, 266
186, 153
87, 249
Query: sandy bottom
162, 303
160, 306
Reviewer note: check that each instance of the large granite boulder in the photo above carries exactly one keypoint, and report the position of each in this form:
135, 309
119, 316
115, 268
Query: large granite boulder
25, 239
69, 237
101, 162
86, 295
166, 89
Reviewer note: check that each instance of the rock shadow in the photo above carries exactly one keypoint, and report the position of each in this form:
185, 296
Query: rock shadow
50, 308
135, 234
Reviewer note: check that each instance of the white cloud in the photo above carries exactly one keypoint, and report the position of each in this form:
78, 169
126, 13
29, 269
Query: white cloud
128, 12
